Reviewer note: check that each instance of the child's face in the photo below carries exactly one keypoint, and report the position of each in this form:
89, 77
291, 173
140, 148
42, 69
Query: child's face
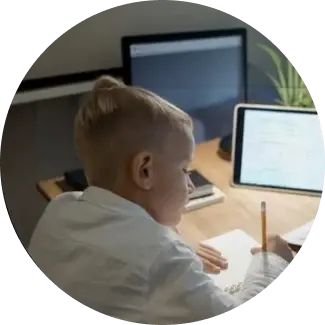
171, 182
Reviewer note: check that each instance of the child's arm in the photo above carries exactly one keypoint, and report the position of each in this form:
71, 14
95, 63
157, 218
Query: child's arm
181, 292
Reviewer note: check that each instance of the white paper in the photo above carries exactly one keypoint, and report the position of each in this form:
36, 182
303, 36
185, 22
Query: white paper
236, 246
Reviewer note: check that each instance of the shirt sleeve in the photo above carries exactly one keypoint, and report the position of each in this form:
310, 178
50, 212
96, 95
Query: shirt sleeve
181, 292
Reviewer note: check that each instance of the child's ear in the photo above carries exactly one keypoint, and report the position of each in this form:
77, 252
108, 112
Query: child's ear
142, 172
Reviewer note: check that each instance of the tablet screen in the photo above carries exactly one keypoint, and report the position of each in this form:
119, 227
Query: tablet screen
279, 148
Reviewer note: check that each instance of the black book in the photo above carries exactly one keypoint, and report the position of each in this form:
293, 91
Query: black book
203, 187
76, 179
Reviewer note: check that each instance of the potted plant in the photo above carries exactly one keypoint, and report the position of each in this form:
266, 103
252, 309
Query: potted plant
289, 85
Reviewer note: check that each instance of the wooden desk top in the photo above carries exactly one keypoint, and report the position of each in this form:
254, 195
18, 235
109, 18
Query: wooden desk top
241, 208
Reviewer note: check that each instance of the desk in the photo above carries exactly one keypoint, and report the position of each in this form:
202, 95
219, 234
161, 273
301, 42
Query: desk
241, 208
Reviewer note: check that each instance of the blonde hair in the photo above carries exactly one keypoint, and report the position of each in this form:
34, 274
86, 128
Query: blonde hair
117, 121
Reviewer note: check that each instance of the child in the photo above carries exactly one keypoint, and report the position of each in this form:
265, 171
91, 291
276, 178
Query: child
112, 247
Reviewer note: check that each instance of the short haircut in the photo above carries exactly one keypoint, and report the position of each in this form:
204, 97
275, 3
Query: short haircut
117, 121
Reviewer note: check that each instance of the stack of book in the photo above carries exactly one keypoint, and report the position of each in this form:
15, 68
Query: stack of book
205, 193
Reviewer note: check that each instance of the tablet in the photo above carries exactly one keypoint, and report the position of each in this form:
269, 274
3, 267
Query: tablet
278, 148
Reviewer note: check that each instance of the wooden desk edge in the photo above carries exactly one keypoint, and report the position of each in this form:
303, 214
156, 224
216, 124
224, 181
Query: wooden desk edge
49, 188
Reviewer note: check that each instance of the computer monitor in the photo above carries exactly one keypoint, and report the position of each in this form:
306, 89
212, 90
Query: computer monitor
204, 73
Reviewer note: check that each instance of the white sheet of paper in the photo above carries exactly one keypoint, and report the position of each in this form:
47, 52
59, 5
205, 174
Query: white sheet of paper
235, 246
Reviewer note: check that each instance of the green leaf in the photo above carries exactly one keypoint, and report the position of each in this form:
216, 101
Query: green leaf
307, 101
296, 84
293, 91
300, 97
290, 85
277, 62
280, 90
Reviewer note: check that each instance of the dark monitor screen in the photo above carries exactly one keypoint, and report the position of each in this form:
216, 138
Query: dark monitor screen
203, 73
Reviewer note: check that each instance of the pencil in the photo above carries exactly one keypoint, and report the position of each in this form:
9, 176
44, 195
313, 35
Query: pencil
263, 216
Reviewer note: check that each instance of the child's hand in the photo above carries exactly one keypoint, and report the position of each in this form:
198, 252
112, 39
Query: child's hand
279, 246
212, 259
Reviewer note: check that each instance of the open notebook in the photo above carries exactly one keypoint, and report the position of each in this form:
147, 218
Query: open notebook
236, 245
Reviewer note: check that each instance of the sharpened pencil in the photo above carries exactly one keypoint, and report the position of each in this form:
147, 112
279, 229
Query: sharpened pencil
264, 232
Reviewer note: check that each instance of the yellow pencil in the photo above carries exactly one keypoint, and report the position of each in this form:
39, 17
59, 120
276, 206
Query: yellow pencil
264, 236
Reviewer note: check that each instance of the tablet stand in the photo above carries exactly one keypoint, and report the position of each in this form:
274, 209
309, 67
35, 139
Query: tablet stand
224, 150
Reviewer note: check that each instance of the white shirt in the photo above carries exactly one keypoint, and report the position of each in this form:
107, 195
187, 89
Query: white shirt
110, 255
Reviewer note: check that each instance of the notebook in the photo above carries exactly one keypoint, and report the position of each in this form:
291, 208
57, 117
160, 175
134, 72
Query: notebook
236, 245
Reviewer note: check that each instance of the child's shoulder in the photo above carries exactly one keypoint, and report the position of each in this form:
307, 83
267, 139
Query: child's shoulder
67, 197
62, 200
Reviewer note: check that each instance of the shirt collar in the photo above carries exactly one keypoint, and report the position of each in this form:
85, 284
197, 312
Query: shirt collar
111, 201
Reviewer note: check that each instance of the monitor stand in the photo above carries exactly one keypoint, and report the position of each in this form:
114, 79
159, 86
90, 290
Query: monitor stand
224, 150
